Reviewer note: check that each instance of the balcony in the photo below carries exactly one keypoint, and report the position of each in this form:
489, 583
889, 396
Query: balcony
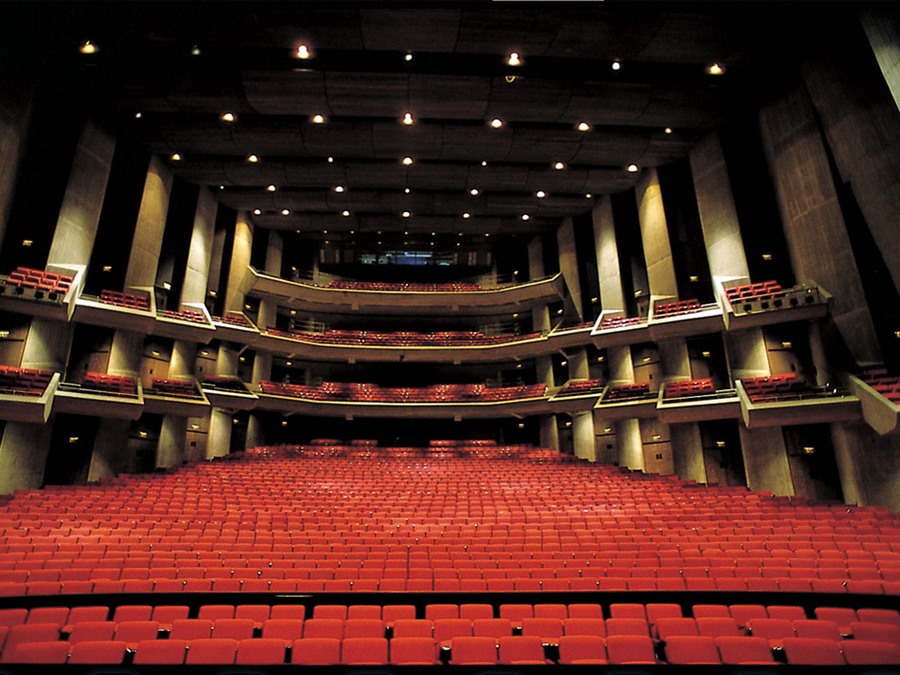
671, 318
696, 401
228, 392
110, 395
26, 394
47, 294
191, 323
236, 327
133, 310
181, 397
879, 397
785, 399
750, 305
626, 401
577, 395
614, 329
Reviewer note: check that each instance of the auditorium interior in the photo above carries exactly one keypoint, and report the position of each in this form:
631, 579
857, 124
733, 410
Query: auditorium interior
486, 337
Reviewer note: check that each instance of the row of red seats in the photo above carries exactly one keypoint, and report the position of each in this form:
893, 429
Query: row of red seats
130, 300
49, 282
782, 386
224, 383
885, 384
367, 392
663, 309
114, 384
177, 388
234, 319
610, 322
189, 315
454, 287
23, 381
752, 292
575, 387
627, 392
682, 388
410, 339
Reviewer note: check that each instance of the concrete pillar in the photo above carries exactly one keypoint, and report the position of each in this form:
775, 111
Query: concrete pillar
227, 361
655, 235
549, 432
583, 436
578, 364
110, 455
607, 255
746, 352
809, 204
568, 261
631, 450
47, 345
766, 460
23, 456
824, 374
220, 423
620, 364
126, 351
674, 359
196, 276
268, 309
687, 452
79, 215
15, 114
882, 27
718, 215
170, 451
262, 367
184, 357
255, 431
239, 277
151, 225
543, 370
868, 464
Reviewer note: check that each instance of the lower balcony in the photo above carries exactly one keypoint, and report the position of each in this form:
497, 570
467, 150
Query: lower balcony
880, 403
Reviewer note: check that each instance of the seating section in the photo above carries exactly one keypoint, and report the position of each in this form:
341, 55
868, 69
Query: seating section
189, 315
174, 388
780, 387
234, 319
612, 322
373, 393
577, 387
747, 293
23, 381
885, 384
53, 284
665, 309
627, 392
687, 388
121, 385
405, 338
224, 383
455, 287
129, 300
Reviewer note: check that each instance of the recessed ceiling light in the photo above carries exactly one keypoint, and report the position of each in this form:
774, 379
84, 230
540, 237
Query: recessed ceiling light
408, 56
474, 192
338, 188
406, 191
408, 119
228, 117
318, 119
483, 163
253, 159
514, 59
559, 166
588, 195
767, 257
286, 212
406, 214
303, 52
407, 161
345, 213
632, 168
271, 188
616, 65
176, 157
195, 50
583, 126
540, 194
715, 68
487, 234
668, 130
467, 215
331, 160
88, 47
257, 212
221, 187
496, 123
138, 115
525, 216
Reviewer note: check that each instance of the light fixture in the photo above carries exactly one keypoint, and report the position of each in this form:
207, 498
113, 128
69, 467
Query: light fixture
138, 115
563, 363
317, 119
406, 214
474, 192
809, 450
285, 212
408, 119
559, 166
715, 68
303, 52
408, 56
496, 123
407, 161
616, 64
345, 213
324, 231
514, 59
525, 216
338, 188
195, 50
107, 268
88, 47
406, 191
540, 194
693, 278
176, 157
668, 130
706, 354
632, 168
483, 162
271, 188
253, 159
467, 215
257, 212
583, 126
331, 160
767, 257
228, 117
588, 195
787, 344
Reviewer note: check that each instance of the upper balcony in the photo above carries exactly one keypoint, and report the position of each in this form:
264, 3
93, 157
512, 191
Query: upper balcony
118, 396
182, 397
399, 299
626, 400
696, 401
750, 305
577, 395
786, 399
48, 294
614, 329
672, 318
191, 322
879, 395
133, 309
229, 393
26, 394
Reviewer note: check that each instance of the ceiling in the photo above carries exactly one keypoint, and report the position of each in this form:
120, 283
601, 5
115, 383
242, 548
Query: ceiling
165, 72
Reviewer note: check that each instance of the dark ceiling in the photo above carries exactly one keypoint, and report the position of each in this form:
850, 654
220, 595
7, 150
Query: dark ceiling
180, 65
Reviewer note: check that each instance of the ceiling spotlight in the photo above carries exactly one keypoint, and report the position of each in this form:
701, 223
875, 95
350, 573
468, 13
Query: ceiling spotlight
408, 56
668, 130
88, 47
559, 166
583, 126
138, 115
483, 163
408, 119
407, 161
616, 65
406, 214
406, 191
271, 188
285, 212
715, 68
175, 157
474, 192
318, 119
525, 216
496, 123
632, 168
540, 194
588, 195
257, 212
253, 159
338, 188
345, 213
195, 50
513, 59
331, 160
467, 215
303, 52
228, 117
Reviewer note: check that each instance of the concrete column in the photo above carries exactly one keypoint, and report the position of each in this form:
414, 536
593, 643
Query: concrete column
687, 452
620, 364
23, 456
824, 374
747, 355
578, 364
766, 460
583, 436
674, 359
15, 114
549, 432
170, 451
227, 361
607, 255
268, 309
809, 204
79, 215
110, 455
631, 450
219, 433
239, 277
868, 464
718, 215
882, 28
126, 352
196, 275
655, 234
568, 261
184, 357
151, 225
255, 431
262, 367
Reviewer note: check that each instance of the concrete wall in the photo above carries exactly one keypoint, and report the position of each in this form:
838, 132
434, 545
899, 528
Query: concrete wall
239, 277
196, 275
151, 224
607, 252
15, 115
655, 235
766, 460
568, 261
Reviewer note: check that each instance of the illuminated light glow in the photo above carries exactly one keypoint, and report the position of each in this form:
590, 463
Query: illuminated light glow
694, 278
195, 50
540, 194
668, 130
406, 214
525, 216
138, 115
496, 123
616, 65
467, 215
408, 119
632, 168
257, 212
767, 257
228, 117
514, 59
303, 52
338, 188
588, 195
484, 163
487, 234
559, 166
345, 213
474, 192
107, 268
715, 68
406, 191
331, 160
407, 161
286, 212
324, 231
253, 159
88, 47
318, 119
408, 56
271, 188
583, 126
176, 157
